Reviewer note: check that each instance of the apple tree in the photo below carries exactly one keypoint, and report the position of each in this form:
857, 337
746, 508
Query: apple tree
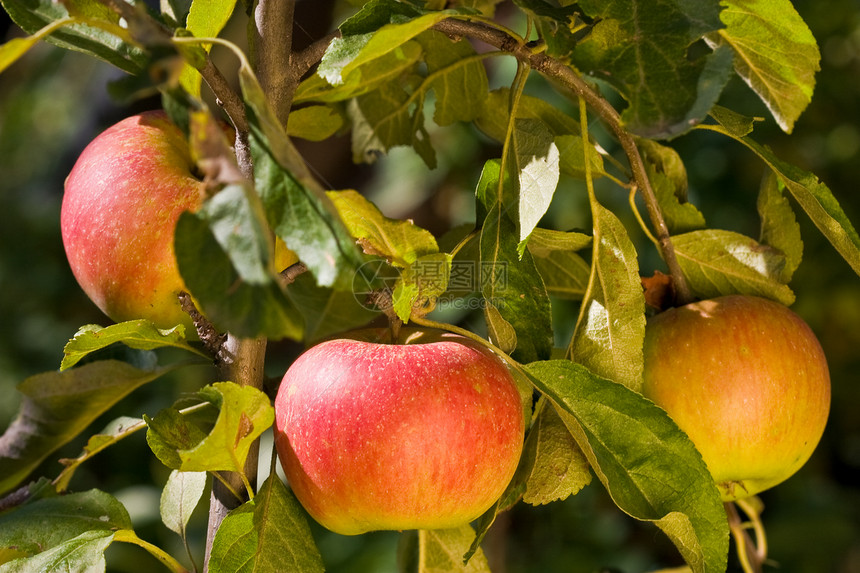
549, 132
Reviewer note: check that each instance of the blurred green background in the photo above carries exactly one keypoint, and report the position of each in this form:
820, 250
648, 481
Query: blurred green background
53, 102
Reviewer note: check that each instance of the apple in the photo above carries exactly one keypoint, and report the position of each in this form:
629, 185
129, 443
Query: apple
121, 202
747, 380
424, 433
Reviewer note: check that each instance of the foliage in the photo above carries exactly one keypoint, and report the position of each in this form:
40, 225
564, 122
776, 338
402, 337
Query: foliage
397, 74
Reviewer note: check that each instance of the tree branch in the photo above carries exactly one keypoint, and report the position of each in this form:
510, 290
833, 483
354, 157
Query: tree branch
302, 62
271, 40
227, 98
569, 79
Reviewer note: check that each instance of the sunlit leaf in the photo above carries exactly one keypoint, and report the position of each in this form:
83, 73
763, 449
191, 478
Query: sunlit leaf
401, 242
180, 496
138, 334
779, 227
565, 130
456, 75
648, 465
34, 15
609, 339
357, 47
362, 79
556, 466
269, 533
305, 219
534, 157
717, 262
206, 19
314, 123
814, 197
509, 283
775, 54
243, 414
421, 284
440, 551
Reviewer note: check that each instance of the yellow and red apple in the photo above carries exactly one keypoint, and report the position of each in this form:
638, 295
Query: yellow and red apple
121, 202
747, 380
421, 434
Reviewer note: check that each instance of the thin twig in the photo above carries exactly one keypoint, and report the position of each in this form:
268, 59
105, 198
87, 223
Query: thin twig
225, 95
569, 79
302, 62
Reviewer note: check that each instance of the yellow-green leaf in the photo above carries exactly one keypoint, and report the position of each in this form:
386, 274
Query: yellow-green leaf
775, 54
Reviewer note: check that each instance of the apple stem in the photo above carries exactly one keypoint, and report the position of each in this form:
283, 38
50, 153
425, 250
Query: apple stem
751, 555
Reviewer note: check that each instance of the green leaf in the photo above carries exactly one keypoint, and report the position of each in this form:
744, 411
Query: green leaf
668, 177
544, 242
244, 414
327, 311
516, 297
398, 241
440, 551
180, 496
363, 79
389, 117
609, 337
493, 122
421, 284
34, 15
572, 157
315, 122
556, 467
644, 53
565, 130
564, 272
83, 553
457, 76
814, 197
779, 227
775, 54
306, 220
269, 533
137, 334
61, 533
648, 465
557, 25
356, 47
534, 157
206, 19
12, 50
57, 406
717, 262
230, 302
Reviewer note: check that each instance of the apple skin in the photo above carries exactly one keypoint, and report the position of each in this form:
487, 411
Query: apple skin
121, 202
422, 434
747, 380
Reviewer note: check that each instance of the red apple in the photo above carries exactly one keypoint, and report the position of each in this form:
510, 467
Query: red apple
422, 434
748, 382
120, 207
